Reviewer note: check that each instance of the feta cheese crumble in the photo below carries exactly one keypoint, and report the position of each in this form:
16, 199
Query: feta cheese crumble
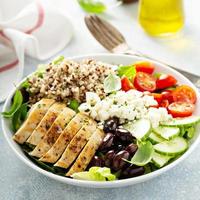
131, 105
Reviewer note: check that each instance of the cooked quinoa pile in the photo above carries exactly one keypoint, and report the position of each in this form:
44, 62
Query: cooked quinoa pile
69, 80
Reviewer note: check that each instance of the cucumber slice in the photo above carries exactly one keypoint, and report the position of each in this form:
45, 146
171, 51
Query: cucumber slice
140, 129
154, 138
167, 132
172, 147
160, 160
187, 121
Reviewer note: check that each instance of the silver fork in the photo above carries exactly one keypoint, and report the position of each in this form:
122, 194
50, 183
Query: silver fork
110, 38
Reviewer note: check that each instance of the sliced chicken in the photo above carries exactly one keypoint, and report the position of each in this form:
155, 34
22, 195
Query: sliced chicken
46, 123
35, 115
54, 132
76, 145
87, 153
64, 139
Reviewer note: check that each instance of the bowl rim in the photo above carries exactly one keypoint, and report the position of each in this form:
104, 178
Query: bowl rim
97, 184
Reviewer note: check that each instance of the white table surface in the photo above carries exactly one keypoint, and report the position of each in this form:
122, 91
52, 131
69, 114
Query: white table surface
18, 182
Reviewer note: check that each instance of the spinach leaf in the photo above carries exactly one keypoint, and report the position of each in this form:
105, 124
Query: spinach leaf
19, 116
112, 83
74, 104
41, 164
128, 71
17, 102
92, 6
143, 155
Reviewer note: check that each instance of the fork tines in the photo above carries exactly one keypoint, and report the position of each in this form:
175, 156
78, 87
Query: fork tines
104, 32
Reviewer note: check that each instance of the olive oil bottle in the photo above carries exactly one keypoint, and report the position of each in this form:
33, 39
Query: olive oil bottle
161, 17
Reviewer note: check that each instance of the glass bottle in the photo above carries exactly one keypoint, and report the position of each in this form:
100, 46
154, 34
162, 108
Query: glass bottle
161, 17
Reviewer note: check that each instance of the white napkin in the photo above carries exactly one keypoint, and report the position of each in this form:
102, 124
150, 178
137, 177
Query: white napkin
35, 28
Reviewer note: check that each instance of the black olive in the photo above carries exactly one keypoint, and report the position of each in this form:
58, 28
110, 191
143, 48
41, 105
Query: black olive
132, 171
118, 162
118, 147
107, 142
131, 148
110, 125
97, 161
124, 135
109, 158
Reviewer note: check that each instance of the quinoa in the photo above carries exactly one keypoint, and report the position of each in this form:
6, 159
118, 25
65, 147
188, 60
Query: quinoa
69, 80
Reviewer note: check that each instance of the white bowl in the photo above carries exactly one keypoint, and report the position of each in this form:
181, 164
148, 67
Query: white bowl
112, 59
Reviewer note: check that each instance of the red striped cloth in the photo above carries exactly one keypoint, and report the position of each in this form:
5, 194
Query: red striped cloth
39, 30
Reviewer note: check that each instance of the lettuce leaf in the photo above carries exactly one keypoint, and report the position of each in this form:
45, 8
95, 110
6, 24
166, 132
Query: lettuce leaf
95, 174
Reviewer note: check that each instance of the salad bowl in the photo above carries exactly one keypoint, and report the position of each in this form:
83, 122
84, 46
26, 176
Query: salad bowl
114, 60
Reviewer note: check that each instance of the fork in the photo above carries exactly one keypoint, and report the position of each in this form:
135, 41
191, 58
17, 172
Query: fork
110, 38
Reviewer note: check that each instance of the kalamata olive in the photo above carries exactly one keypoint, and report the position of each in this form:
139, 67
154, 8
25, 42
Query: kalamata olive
131, 148
110, 125
124, 135
118, 147
97, 161
107, 141
132, 171
118, 162
109, 158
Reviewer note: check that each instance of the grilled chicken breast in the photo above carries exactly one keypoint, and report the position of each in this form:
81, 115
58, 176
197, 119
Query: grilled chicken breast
35, 115
87, 153
76, 145
64, 139
45, 123
54, 132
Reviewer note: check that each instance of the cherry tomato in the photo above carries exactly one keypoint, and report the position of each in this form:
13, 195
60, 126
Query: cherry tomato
144, 82
144, 66
164, 103
157, 96
167, 94
165, 81
126, 84
184, 93
181, 109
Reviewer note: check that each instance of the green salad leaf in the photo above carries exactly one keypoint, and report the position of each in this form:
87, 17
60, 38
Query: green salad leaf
25, 84
143, 155
112, 83
95, 174
17, 102
92, 6
58, 60
40, 70
128, 71
188, 132
157, 75
74, 104
19, 116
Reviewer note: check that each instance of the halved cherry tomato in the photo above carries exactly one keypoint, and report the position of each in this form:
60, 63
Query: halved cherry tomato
126, 84
165, 81
157, 96
167, 94
181, 109
144, 66
164, 103
184, 93
144, 82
